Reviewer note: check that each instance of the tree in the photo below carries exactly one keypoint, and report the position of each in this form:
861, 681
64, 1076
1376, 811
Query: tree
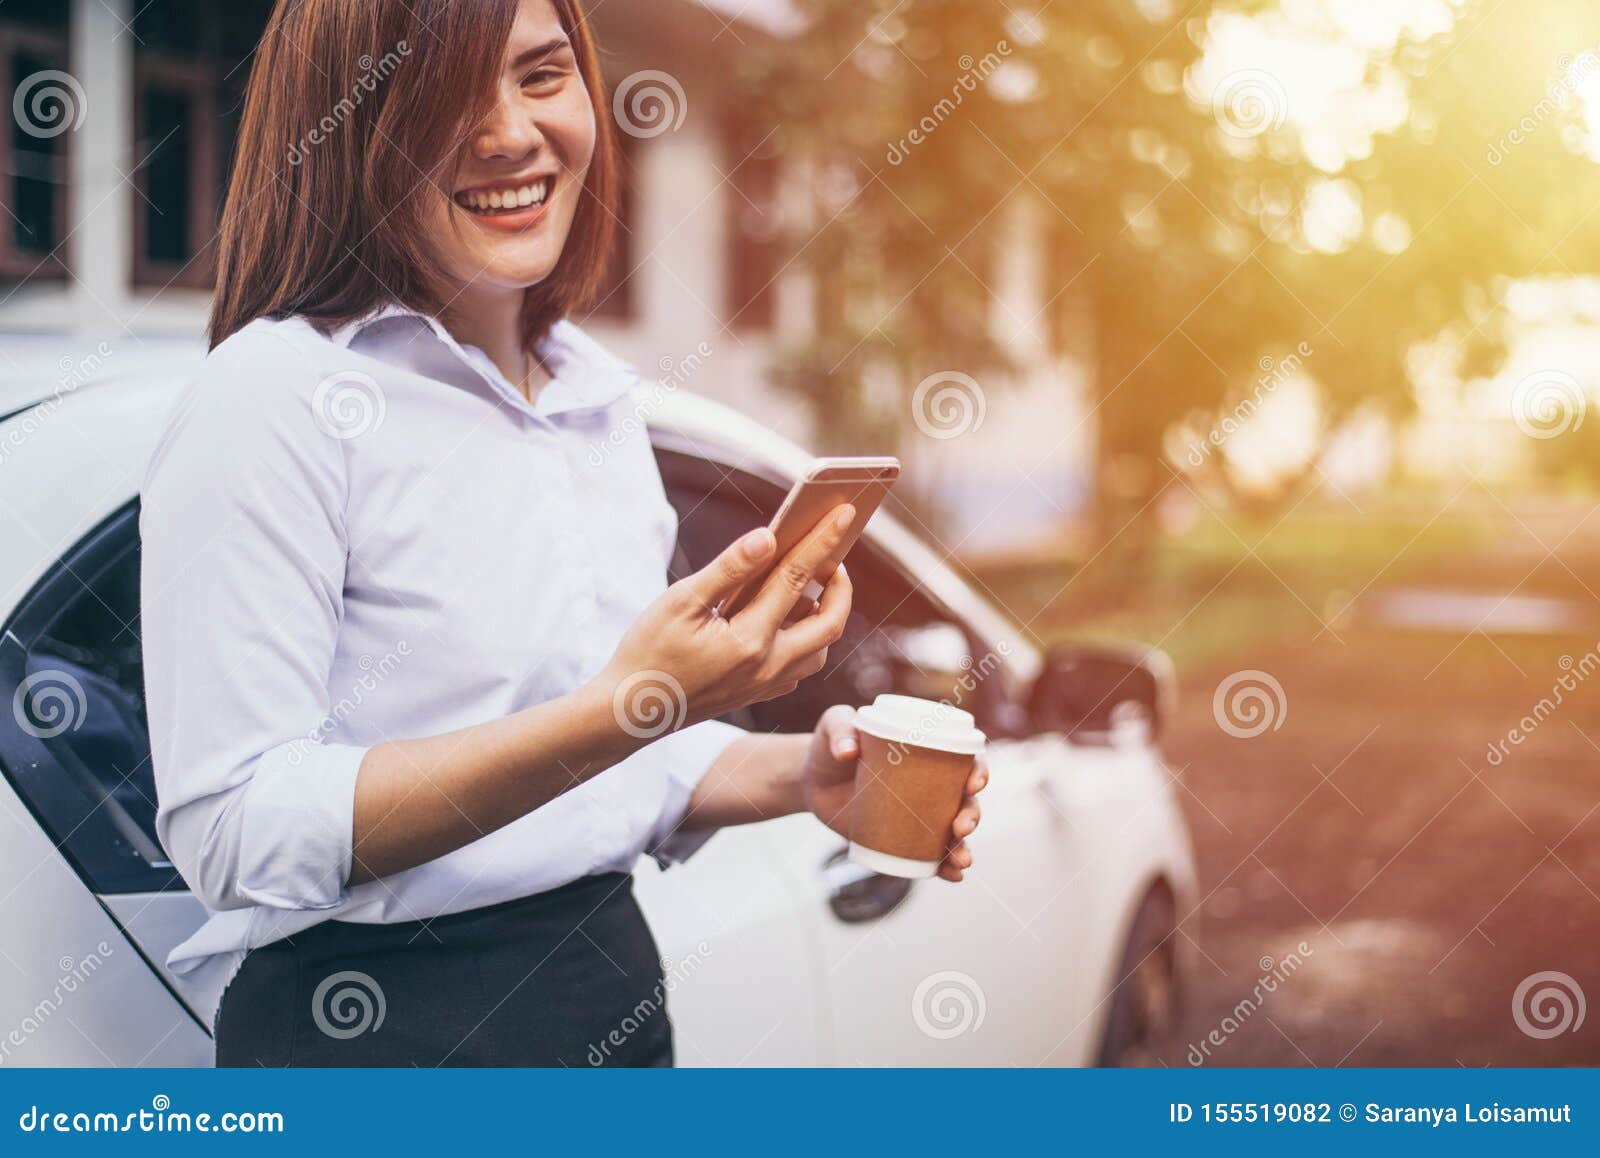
1184, 207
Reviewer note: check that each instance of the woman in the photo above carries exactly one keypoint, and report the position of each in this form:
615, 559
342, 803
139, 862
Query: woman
419, 692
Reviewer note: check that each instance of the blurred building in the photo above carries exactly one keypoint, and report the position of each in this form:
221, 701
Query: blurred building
112, 195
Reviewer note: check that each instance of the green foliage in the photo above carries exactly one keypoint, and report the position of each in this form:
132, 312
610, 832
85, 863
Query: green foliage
1174, 249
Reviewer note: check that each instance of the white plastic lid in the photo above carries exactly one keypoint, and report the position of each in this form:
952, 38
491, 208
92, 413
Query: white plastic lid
922, 724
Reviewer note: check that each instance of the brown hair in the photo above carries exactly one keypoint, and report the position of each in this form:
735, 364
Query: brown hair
347, 115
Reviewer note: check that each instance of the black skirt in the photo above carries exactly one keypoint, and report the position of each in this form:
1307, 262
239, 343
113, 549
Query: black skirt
570, 977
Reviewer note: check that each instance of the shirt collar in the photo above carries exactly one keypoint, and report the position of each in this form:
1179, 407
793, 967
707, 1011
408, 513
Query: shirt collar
584, 375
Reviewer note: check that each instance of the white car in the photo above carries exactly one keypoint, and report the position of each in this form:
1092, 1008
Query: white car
1059, 949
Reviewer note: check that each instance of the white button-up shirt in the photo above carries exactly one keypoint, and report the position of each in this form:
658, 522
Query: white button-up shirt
371, 536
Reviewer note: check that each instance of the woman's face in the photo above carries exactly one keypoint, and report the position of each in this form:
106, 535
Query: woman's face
503, 216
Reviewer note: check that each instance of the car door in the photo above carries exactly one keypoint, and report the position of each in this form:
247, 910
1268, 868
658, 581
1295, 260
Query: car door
914, 973
89, 903
85, 875
926, 972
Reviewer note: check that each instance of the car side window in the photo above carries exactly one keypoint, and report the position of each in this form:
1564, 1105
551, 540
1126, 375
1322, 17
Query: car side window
895, 640
75, 746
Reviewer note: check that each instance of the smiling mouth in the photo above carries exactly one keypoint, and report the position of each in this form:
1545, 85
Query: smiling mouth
506, 199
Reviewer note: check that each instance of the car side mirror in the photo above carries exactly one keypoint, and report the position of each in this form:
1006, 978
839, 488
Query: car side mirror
1103, 695
932, 659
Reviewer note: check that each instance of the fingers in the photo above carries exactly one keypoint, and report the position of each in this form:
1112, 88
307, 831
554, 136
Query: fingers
956, 862
838, 728
959, 859
783, 588
802, 610
979, 777
966, 822
729, 571
816, 632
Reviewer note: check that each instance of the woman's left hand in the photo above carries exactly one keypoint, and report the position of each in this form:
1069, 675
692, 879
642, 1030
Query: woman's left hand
830, 784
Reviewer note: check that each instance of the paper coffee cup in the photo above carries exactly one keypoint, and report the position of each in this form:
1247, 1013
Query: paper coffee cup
916, 756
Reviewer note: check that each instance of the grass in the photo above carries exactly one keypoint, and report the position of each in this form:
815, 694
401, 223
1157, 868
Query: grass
1227, 583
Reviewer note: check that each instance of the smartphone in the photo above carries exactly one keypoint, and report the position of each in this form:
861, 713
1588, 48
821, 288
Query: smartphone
827, 484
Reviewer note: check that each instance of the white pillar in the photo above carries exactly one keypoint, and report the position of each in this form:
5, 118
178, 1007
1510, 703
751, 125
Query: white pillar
1016, 293
100, 151
796, 288
681, 227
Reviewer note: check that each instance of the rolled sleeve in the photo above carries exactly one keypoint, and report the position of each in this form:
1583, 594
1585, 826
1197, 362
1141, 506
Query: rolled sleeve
689, 754
242, 578
307, 789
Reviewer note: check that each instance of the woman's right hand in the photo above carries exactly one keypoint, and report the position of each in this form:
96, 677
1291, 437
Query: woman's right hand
681, 662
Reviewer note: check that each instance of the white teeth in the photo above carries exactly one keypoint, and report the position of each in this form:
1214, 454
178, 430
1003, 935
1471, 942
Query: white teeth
518, 198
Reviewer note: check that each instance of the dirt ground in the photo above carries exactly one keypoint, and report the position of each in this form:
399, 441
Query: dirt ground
1425, 881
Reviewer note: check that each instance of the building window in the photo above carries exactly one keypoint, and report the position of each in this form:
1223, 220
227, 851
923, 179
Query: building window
617, 300
33, 155
752, 253
191, 63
